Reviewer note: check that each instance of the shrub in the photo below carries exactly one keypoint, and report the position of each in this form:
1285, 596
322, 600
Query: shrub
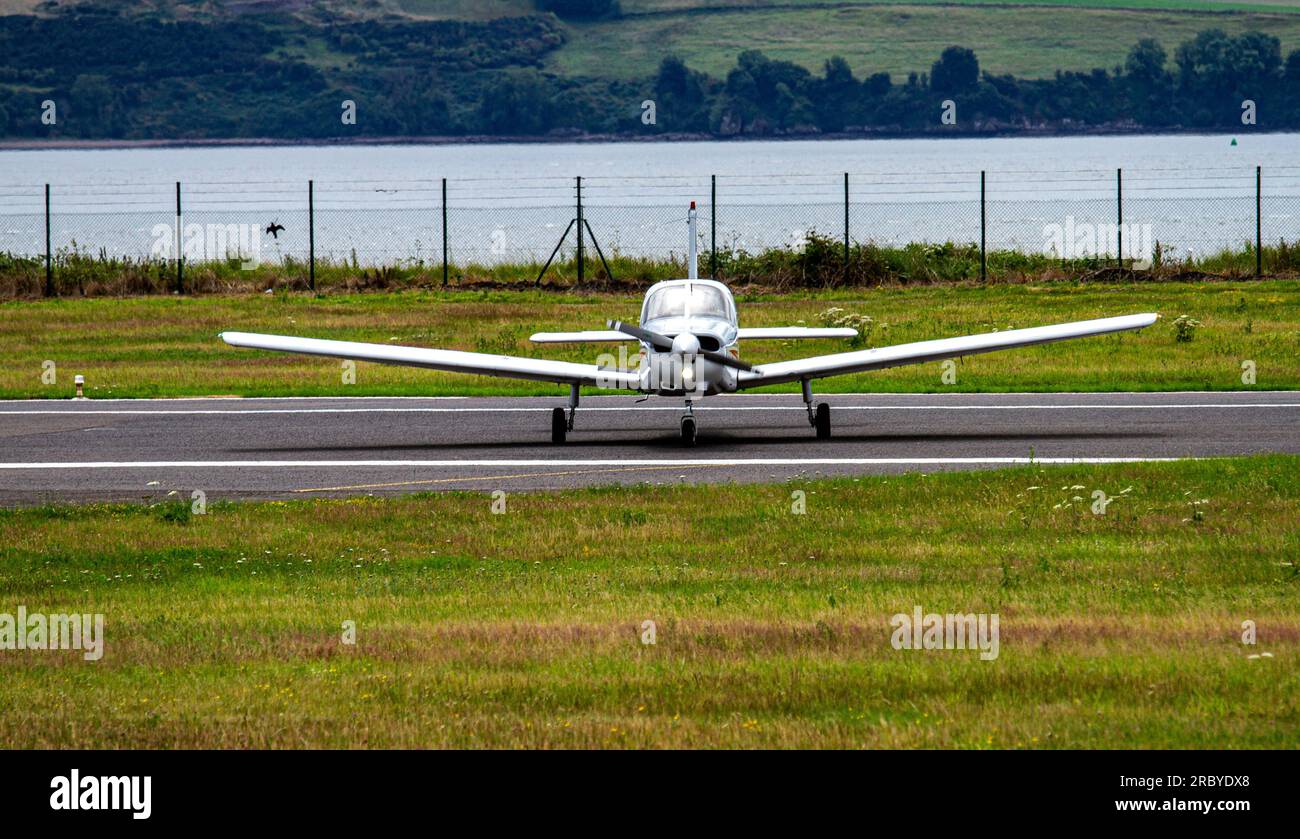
1185, 328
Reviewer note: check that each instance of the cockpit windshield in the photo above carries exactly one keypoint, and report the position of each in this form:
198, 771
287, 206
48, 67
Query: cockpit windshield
688, 300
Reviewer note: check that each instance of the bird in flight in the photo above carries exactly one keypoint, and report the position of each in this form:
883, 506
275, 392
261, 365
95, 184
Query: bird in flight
274, 229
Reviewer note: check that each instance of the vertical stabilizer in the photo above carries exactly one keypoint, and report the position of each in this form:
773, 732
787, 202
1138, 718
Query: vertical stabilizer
692, 249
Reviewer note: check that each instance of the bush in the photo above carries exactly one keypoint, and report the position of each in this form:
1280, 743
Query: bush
1185, 328
581, 9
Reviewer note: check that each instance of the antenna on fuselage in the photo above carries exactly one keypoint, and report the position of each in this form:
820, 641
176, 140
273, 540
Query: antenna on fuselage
693, 272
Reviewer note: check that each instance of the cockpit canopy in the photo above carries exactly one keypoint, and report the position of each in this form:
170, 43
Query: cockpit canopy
689, 299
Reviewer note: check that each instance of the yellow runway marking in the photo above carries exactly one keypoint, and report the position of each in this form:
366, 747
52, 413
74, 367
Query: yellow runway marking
503, 477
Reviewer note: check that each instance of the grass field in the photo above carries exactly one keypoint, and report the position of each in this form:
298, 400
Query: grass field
771, 629
1027, 41
635, 7
159, 346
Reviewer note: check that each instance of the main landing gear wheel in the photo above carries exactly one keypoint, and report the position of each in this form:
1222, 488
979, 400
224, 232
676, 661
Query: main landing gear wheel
820, 418
559, 425
823, 421
688, 431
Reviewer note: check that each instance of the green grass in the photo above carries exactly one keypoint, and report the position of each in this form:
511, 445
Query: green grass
661, 6
463, 9
1029, 41
524, 629
168, 346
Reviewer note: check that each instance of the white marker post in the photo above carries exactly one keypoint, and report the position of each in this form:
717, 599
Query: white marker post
693, 270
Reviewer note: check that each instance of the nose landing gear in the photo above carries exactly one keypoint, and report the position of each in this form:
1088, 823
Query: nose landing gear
688, 427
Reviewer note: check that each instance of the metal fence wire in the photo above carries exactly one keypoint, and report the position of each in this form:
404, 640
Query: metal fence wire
1123, 217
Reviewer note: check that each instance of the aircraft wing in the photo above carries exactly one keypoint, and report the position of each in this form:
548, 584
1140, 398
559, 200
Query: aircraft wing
753, 333
483, 364
756, 332
588, 336
922, 351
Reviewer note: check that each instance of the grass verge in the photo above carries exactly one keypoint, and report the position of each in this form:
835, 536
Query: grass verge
160, 346
526, 629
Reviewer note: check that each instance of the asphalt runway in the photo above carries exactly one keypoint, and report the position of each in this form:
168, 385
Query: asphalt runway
96, 450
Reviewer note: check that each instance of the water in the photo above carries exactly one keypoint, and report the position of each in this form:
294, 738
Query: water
512, 202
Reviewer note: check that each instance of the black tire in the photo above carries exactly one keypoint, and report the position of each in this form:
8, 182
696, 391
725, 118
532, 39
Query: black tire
559, 425
688, 431
823, 422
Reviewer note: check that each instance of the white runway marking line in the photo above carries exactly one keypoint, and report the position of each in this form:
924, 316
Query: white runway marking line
515, 464
633, 408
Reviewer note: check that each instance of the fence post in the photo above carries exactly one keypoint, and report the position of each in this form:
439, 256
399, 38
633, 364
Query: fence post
444, 231
1259, 224
984, 263
180, 255
311, 234
580, 272
713, 226
1119, 213
846, 227
49, 269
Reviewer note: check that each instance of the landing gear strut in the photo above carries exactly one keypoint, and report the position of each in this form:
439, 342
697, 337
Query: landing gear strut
688, 426
819, 417
560, 424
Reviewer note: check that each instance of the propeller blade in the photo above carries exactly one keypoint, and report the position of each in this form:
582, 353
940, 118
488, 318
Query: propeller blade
659, 342
726, 360
665, 344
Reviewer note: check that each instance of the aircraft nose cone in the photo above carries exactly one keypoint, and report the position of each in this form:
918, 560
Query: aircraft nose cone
686, 344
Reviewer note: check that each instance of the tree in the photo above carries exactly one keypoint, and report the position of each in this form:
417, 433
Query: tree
518, 103
775, 93
681, 99
877, 85
1216, 72
956, 71
835, 96
1203, 61
1149, 84
1257, 59
95, 107
1146, 62
581, 9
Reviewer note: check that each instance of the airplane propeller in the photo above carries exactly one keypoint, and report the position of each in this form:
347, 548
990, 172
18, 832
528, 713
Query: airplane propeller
684, 344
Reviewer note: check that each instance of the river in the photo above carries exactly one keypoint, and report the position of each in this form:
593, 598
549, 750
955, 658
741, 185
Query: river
511, 202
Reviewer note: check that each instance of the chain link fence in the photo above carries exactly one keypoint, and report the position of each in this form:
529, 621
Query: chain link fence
449, 226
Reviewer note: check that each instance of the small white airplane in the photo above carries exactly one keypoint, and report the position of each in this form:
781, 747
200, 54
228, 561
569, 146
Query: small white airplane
689, 337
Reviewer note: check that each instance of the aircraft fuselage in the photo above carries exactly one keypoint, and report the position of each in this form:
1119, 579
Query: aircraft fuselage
697, 315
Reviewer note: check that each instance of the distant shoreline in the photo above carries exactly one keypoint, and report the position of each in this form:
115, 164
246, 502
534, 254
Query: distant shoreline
28, 144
